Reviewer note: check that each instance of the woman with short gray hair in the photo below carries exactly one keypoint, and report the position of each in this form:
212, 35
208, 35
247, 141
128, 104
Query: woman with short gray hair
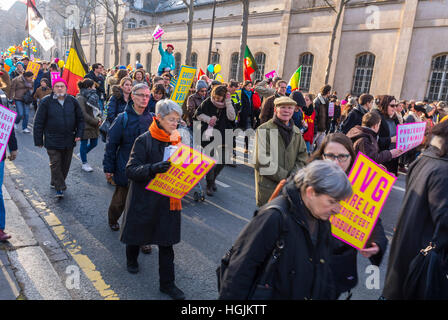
301, 270
150, 217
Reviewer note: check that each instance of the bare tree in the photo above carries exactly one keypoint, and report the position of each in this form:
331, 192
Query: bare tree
190, 11
243, 40
342, 4
113, 8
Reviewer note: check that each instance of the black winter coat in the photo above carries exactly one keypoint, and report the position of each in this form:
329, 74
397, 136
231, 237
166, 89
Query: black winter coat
384, 142
101, 91
425, 202
354, 118
116, 104
147, 216
302, 272
120, 140
56, 126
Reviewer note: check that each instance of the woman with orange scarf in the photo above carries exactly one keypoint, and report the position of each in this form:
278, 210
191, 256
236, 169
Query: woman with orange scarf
150, 217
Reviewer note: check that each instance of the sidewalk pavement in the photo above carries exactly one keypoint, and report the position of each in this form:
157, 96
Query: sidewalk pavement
25, 270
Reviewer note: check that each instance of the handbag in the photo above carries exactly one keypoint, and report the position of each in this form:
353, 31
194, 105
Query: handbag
262, 288
104, 130
28, 97
427, 277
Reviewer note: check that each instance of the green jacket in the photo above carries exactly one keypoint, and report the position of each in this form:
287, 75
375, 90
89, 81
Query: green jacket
283, 162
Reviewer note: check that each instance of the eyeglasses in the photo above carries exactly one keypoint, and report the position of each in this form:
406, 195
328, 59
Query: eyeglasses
142, 95
339, 157
393, 105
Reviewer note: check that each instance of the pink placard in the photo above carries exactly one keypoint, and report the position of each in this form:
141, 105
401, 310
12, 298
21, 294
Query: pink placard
271, 74
158, 32
331, 109
7, 119
410, 135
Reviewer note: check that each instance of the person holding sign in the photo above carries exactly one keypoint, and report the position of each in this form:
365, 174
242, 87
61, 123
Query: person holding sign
424, 208
338, 148
150, 217
167, 63
22, 94
300, 223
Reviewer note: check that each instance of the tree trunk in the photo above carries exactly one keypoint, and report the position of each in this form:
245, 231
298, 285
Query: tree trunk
333, 38
95, 34
243, 41
116, 44
190, 7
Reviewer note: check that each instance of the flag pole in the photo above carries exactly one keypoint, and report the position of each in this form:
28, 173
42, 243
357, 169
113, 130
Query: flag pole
28, 26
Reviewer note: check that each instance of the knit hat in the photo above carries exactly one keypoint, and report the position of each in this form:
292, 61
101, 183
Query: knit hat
59, 80
139, 66
169, 45
122, 68
284, 101
46, 81
201, 84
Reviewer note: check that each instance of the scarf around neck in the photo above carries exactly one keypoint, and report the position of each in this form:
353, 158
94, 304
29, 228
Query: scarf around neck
219, 105
175, 138
286, 131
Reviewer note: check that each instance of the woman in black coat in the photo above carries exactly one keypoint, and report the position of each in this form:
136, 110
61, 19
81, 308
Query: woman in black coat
217, 113
149, 217
387, 135
121, 97
425, 204
302, 270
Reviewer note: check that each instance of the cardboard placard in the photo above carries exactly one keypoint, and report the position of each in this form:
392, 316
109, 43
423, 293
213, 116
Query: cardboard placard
410, 135
158, 32
34, 68
371, 186
184, 81
7, 119
188, 167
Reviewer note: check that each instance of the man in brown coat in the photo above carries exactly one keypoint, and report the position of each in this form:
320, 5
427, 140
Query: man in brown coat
267, 108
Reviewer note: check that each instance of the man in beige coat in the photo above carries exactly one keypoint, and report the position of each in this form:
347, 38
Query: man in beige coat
279, 150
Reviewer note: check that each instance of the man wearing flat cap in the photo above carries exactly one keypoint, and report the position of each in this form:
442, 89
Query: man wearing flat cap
280, 150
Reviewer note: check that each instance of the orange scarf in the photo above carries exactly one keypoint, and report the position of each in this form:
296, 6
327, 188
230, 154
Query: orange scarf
175, 138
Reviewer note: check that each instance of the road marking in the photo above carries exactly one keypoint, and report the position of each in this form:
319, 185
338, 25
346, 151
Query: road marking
11, 283
399, 188
222, 184
227, 211
84, 262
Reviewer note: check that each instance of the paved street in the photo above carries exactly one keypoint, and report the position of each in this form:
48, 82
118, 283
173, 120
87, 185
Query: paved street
209, 228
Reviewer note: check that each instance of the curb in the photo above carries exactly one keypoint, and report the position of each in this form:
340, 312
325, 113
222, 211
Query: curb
30, 263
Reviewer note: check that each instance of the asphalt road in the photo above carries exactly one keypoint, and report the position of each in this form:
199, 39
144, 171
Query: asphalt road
208, 228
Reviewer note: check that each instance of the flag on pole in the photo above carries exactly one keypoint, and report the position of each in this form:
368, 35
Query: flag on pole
200, 73
37, 27
76, 66
295, 80
250, 66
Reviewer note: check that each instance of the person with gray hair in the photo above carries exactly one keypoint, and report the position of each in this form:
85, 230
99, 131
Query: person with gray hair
296, 224
150, 217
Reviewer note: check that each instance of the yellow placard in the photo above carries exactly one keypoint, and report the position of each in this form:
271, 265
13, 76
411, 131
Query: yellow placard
34, 68
188, 168
184, 81
371, 186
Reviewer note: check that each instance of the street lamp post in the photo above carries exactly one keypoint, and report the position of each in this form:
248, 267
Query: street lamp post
211, 37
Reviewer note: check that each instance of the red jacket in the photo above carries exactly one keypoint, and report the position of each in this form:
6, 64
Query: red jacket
256, 101
309, 134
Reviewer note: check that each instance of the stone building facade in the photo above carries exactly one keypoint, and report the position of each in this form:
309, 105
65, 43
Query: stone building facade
396, 47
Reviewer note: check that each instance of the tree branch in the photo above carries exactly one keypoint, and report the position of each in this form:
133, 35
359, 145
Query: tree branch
331, 6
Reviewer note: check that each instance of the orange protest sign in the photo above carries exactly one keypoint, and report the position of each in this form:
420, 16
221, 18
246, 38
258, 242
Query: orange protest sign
34, 68
188, 168
371, 186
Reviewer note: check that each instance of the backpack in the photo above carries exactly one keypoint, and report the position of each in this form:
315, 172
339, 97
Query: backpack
262, 288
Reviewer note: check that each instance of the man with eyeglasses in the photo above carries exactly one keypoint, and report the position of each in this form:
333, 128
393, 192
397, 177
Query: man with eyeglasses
58, 125
267, 108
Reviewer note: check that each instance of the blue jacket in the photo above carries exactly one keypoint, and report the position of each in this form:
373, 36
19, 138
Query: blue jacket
116, 104
120, 140
167, 59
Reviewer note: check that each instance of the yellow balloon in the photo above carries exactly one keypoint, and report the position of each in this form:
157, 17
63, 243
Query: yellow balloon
217, 68
61, 64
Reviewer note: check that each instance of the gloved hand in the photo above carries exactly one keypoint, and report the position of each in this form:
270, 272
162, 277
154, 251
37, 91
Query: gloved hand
160, 167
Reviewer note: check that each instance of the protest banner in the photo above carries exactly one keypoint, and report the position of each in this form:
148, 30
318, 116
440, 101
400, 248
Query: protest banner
158, 32
7, 119
188, 167
331, 109
371, 186
54, 76
184, 81
271, 74
34, 68
410, 135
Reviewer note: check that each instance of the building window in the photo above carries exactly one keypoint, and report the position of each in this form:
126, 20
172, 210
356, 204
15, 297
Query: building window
306, 61
234, 65
438, 81
148, 62
194, 59
138, 57
132, 23
178, 58
143, 23
260, 60
215, 58
362, 77
128, 59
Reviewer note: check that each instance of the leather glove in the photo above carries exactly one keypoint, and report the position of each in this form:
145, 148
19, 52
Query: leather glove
13, 155
160, 167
